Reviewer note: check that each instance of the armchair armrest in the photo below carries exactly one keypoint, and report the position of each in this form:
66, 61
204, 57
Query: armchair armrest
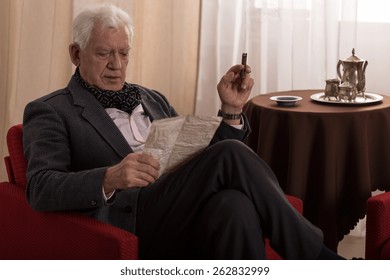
27, 234
378, 226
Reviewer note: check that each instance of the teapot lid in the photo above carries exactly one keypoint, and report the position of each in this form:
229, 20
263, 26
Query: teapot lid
354, 58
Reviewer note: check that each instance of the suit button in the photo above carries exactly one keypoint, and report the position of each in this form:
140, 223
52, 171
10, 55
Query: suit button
93, 202
128, 208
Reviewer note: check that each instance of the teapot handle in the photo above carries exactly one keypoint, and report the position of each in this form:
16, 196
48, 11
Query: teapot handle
361, 85
365, 66
338, 69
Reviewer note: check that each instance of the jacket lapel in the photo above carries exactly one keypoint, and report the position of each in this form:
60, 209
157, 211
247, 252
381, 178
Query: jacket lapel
95, 114
152, 109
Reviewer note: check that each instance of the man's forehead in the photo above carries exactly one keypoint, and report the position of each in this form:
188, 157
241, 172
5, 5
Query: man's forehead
99, 29
99, 37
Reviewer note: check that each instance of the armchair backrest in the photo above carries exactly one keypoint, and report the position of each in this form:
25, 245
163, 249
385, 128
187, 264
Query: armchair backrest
16, 163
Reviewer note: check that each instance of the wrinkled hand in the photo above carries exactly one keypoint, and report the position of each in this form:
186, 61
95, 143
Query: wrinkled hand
135, 170
233, 90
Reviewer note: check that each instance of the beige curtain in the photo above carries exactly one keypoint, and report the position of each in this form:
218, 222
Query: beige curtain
34, 61
165, 54
34, 56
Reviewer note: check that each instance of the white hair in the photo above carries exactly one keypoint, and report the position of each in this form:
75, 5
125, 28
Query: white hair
108, 15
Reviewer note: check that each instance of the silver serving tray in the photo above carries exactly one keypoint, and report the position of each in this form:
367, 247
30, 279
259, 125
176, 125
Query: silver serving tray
370, 98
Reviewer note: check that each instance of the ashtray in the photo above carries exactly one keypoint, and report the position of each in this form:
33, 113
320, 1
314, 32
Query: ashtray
286, 100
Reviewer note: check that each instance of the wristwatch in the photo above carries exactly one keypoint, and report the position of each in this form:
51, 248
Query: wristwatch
228, 116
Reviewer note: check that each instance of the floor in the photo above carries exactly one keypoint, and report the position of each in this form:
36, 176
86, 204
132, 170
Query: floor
353, 245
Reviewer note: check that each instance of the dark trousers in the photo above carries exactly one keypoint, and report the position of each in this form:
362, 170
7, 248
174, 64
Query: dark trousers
220, 205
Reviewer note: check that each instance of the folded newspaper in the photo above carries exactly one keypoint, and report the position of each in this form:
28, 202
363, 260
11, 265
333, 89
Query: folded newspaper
174, 141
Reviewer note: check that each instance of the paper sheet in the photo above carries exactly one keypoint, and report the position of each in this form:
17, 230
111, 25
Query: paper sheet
174, 141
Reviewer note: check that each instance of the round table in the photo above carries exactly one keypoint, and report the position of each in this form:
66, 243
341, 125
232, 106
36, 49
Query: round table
331, 156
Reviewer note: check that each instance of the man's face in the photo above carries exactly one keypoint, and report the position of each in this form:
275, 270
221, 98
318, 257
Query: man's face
103, 62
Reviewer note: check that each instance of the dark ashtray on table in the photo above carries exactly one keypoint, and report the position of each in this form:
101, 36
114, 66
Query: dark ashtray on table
286, 100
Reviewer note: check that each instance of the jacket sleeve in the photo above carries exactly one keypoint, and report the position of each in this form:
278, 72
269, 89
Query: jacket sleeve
51, 185
226, 131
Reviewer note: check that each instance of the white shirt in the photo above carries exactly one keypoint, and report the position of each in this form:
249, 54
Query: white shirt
135, 127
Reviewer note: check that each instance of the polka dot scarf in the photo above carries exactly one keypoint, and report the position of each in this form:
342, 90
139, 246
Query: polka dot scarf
126, 99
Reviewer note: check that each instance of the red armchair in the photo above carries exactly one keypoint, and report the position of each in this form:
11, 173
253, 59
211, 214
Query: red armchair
27, 234
378, 227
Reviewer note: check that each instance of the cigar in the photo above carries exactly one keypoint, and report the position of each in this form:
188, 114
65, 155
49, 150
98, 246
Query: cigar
243, 62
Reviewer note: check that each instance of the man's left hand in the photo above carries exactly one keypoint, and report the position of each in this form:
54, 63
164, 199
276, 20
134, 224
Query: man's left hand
233, 90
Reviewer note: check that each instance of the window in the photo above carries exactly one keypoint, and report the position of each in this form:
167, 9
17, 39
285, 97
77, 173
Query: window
367, 10
373, 11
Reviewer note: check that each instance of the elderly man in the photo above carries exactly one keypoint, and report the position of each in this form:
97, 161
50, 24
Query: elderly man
84, 148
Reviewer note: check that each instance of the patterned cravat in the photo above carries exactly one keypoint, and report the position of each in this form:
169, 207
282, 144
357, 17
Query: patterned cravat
126, 99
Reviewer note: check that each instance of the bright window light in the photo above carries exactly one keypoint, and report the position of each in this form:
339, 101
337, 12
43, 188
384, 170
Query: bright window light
367, 10
373, 11
277, 4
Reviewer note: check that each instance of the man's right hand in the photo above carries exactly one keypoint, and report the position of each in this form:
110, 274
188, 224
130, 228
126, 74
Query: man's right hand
135, 170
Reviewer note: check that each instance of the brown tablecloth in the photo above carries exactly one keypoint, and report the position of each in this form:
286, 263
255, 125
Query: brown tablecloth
331, 156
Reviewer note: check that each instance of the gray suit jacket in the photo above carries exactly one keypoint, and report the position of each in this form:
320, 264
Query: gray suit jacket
70, 140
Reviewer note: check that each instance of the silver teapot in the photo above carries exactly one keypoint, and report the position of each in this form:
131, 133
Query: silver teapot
354, 72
